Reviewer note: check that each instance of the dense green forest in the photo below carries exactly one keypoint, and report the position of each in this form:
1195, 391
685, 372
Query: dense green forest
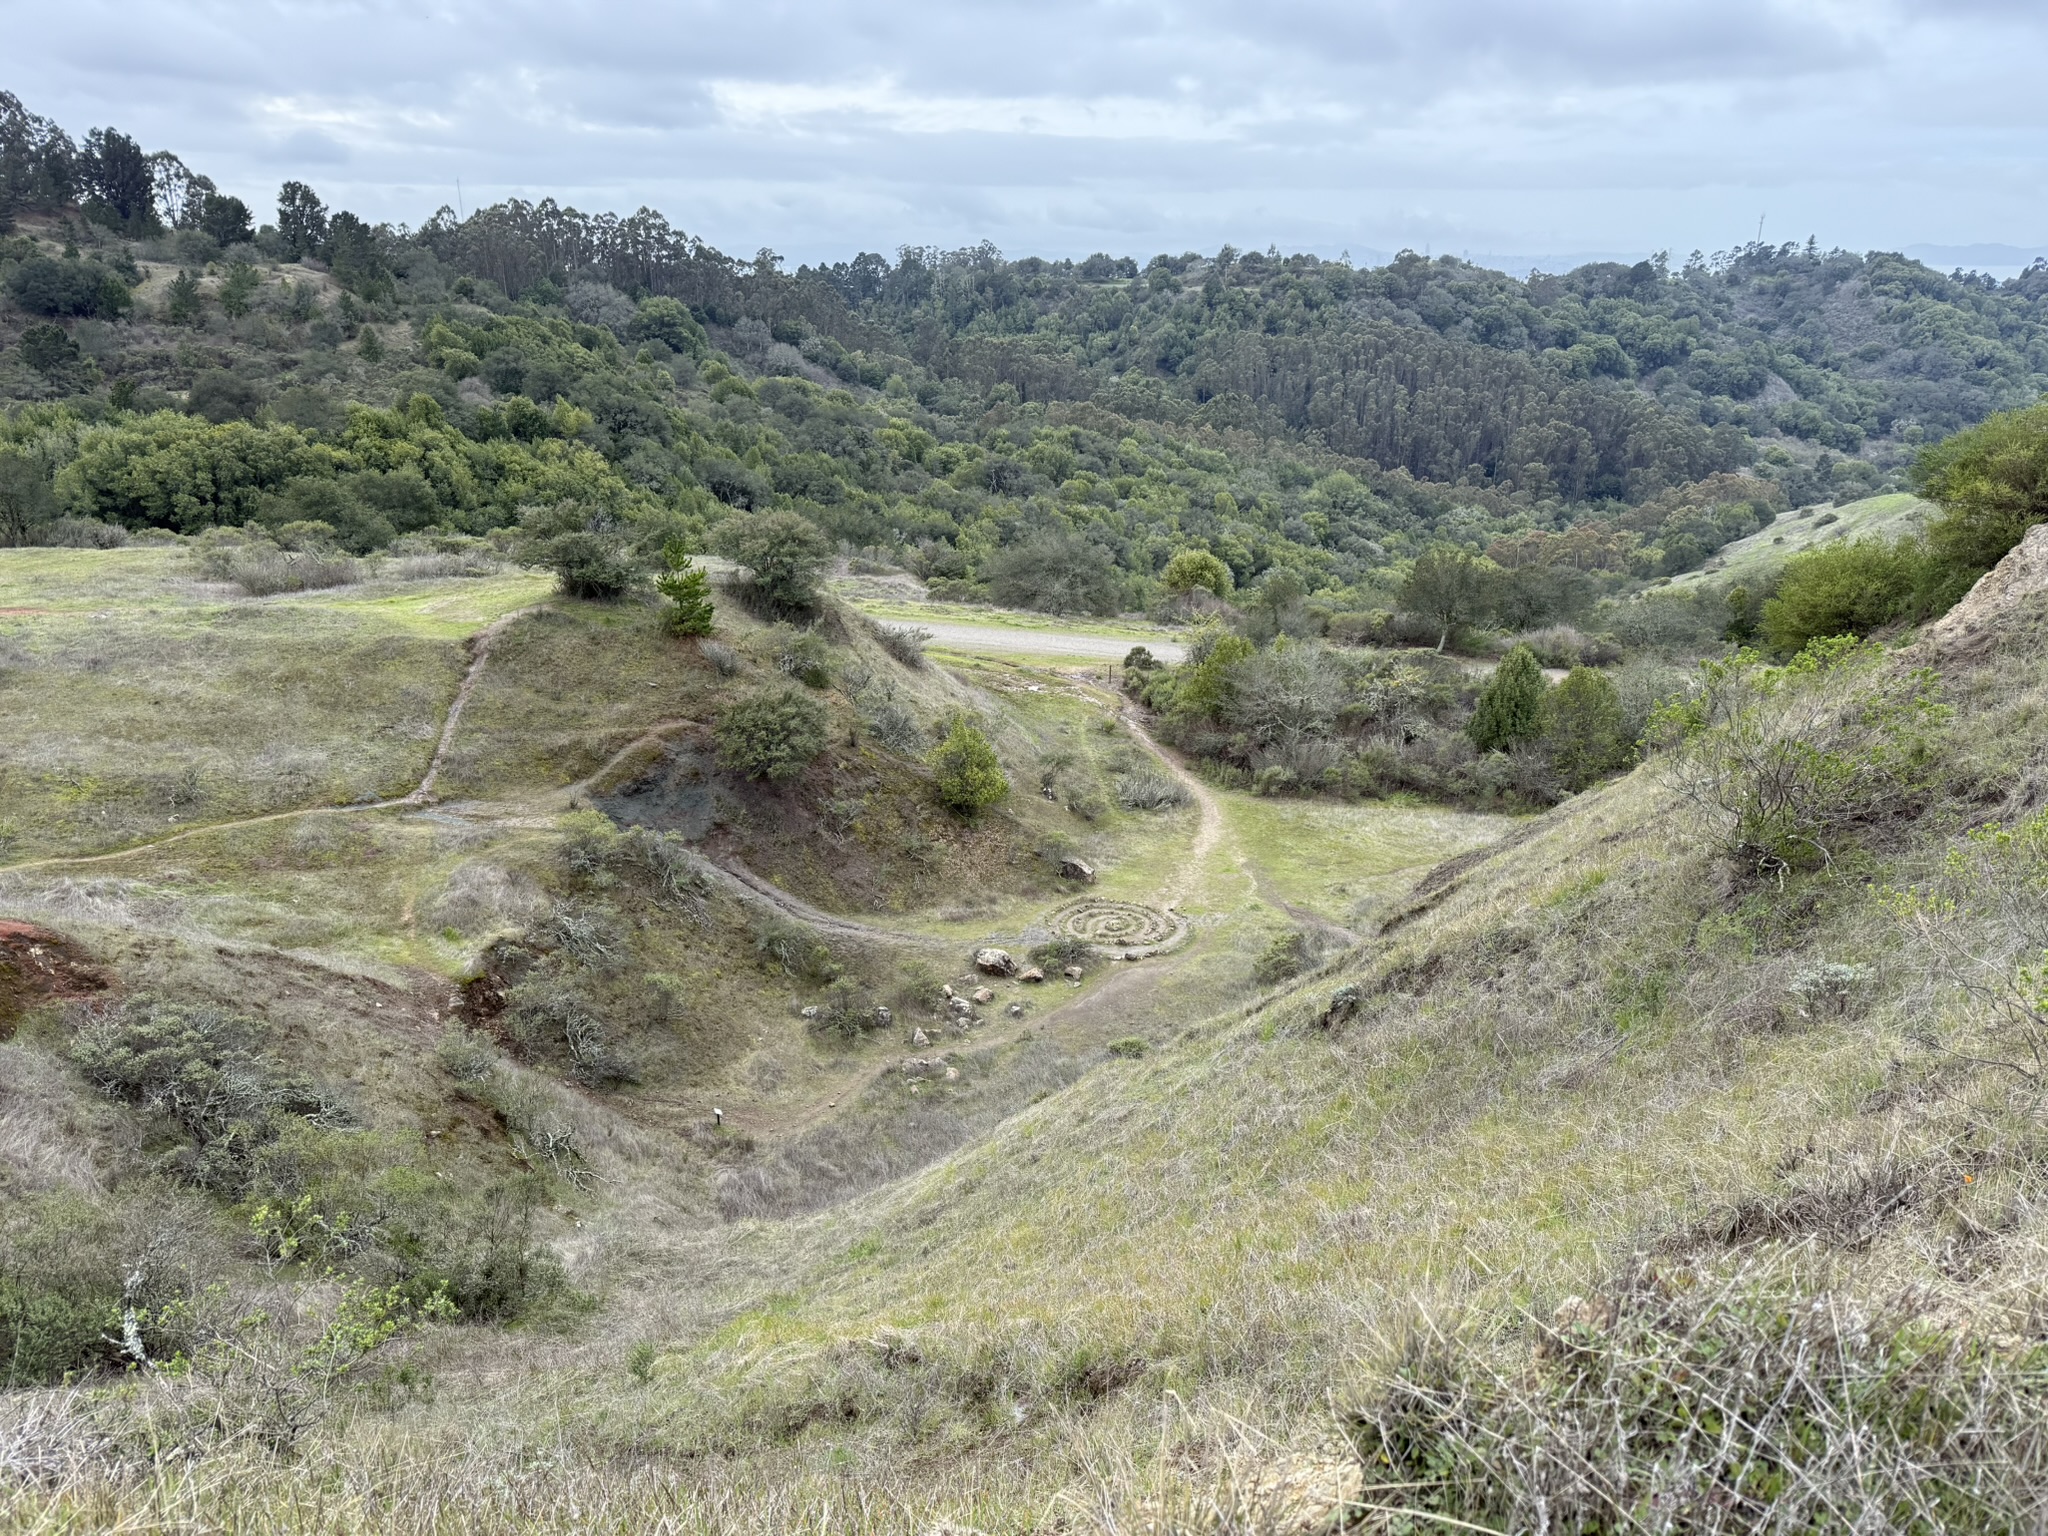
1046, 433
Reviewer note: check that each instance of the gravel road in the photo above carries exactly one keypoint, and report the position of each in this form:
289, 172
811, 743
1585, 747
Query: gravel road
1037, 642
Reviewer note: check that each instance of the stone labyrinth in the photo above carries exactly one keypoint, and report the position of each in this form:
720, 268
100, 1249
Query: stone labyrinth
1119, 927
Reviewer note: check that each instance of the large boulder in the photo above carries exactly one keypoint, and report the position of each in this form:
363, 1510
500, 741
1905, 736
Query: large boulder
995, 962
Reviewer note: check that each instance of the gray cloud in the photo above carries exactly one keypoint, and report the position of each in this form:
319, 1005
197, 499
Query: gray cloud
1061, 126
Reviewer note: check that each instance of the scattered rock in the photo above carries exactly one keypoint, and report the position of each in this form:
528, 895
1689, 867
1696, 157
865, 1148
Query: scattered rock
1132, 954
995, 962
961, 1007
1077, 869
1072, 973
883, 1017
919, 1037
1016, 1010
1031, 973
946, 990
809, 1013
952, 1074
983, 995
1343, 1003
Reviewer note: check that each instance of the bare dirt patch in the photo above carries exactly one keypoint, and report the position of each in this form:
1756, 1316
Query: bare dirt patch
38, 965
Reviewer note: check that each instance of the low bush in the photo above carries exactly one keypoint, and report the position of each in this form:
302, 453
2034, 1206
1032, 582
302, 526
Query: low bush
773, 734
1286, 957
966, 771
906, 644
82, 533
202, 1069
802, 654
1721, 1404
1148, 788
1845, 588
1784, 765
784, 556
790, 949
1058, 954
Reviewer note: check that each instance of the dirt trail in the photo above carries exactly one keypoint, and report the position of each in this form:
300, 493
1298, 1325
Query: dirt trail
1208, 834
479, 653
422, 794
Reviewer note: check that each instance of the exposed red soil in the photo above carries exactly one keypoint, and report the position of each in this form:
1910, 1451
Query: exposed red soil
40, 966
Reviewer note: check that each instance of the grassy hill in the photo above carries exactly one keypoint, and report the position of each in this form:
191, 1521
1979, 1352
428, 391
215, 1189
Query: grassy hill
1596, 1129
1751, 560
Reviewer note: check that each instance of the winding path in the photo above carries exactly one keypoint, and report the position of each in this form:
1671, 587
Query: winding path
421, 794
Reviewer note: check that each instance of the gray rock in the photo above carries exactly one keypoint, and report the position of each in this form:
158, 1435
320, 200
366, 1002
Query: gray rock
1031, 973
995, 962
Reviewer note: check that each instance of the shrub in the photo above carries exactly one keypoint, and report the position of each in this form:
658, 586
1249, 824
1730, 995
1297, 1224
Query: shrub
966, 771
688, 590
45, 286
1146, 788
1193, 568
723, 658
1844, 588
895, 728
1056, 573
791, 949
1991, 482
48, 348
1129, 1047
83, 533
1058, 954
905, 644
1782, 764
1287, 956
590, 565
801, 654
202, 1069
1511, 705
1586, 733
773, 734
784, 555
1724, 1403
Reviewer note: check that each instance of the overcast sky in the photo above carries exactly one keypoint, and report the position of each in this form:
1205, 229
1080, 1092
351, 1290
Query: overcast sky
1519, 130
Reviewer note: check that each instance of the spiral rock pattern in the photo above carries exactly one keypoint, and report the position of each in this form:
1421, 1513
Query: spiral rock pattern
1118, 926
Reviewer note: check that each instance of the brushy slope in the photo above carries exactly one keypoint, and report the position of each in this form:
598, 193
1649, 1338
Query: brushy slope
1480, 1212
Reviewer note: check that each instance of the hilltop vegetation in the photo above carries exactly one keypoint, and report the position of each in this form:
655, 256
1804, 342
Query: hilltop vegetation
1049, 433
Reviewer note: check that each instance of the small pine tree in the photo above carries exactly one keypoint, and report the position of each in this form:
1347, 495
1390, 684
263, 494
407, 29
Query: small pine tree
182, 306
369, 347
1587, 736
968, 774
688, 590
1511, 706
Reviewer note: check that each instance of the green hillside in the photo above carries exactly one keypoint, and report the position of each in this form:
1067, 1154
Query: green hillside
1752, 560
640, 893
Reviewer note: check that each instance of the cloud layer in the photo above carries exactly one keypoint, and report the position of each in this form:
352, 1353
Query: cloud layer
1496, 127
